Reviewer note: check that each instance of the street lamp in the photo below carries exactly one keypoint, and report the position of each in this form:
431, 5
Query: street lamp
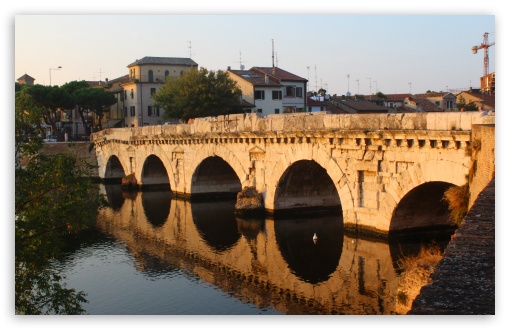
59, 67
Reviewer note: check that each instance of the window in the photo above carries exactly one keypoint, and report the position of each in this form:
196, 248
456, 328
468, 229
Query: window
125, 112
151, 76
259, 95
132, 94
290, 91
277, 95
152, 110
153, 91
132, 110
259, 110
125, 94
277, 111
449, 104
299, 91
166, 73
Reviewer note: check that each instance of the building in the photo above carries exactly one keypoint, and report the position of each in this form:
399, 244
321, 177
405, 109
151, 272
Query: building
26, 79
432, 102
270, 90
488, 84
484, 102
145, 77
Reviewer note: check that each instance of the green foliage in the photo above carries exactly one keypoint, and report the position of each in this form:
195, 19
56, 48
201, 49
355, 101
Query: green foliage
461, 104
89, 99
380, 95
53, 198
198, 93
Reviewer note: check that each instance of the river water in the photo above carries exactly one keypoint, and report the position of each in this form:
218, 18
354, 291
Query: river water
152, 254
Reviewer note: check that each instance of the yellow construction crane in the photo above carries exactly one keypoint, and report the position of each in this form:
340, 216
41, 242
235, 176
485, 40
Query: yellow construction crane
485, 46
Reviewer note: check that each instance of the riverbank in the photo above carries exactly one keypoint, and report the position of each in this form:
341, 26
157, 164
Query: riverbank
464, 282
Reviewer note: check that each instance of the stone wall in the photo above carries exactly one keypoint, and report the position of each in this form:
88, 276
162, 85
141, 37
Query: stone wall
485, 159
81, 149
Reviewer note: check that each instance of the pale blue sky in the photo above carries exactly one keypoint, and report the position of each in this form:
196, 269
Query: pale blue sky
390, 53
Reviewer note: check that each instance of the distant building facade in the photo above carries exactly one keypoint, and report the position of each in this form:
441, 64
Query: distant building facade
270, 90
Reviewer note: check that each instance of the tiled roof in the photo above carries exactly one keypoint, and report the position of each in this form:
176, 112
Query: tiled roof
26, 77
255, 78
314, 103
279, 74
489, 100
361, 106
424, 104
164, 61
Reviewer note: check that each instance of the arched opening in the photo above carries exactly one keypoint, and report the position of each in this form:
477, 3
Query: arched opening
214, 178
114, 171
154, 174
156, 206
422, 210
306, 187
151, 76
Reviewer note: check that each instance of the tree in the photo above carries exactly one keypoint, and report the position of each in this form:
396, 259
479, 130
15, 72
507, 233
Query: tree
461, 104
380, 95
53, 198
89, 99
50, 100
199, 93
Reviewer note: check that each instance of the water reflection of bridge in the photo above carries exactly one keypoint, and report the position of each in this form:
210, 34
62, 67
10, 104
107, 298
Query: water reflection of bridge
264, 261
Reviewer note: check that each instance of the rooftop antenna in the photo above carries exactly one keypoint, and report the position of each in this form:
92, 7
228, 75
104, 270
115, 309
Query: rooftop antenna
410, 88
370, 87
272, 42
308, 68
240, 61
358, 85
316, 78
276, 55
348, 92
100, 74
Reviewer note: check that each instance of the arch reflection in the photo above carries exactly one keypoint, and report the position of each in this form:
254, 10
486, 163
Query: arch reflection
311, 262
114, 196
216, 223
156, 205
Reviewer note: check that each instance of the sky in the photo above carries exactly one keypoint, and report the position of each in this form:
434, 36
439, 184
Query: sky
360, 53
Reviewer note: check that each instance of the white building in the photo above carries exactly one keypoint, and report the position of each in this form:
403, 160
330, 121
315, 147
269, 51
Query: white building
270, 90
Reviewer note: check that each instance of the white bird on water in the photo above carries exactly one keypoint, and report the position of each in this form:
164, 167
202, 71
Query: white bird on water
314, 237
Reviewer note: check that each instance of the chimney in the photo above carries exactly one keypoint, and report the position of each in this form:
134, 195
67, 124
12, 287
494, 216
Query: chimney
266, 78
228, 68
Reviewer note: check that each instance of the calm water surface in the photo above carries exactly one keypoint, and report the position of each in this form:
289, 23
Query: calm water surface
152, 254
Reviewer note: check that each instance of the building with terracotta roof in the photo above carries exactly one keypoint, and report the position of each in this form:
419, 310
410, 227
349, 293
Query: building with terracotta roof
484, 102
270, 90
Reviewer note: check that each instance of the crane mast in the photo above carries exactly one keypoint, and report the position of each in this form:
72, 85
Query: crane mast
485, 46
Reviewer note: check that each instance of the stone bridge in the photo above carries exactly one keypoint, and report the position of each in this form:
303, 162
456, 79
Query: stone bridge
385, 172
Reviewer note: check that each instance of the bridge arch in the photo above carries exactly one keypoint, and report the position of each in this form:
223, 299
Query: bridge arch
430, 178
305, 184
114, 169
154, 173
216, 170
313, 157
